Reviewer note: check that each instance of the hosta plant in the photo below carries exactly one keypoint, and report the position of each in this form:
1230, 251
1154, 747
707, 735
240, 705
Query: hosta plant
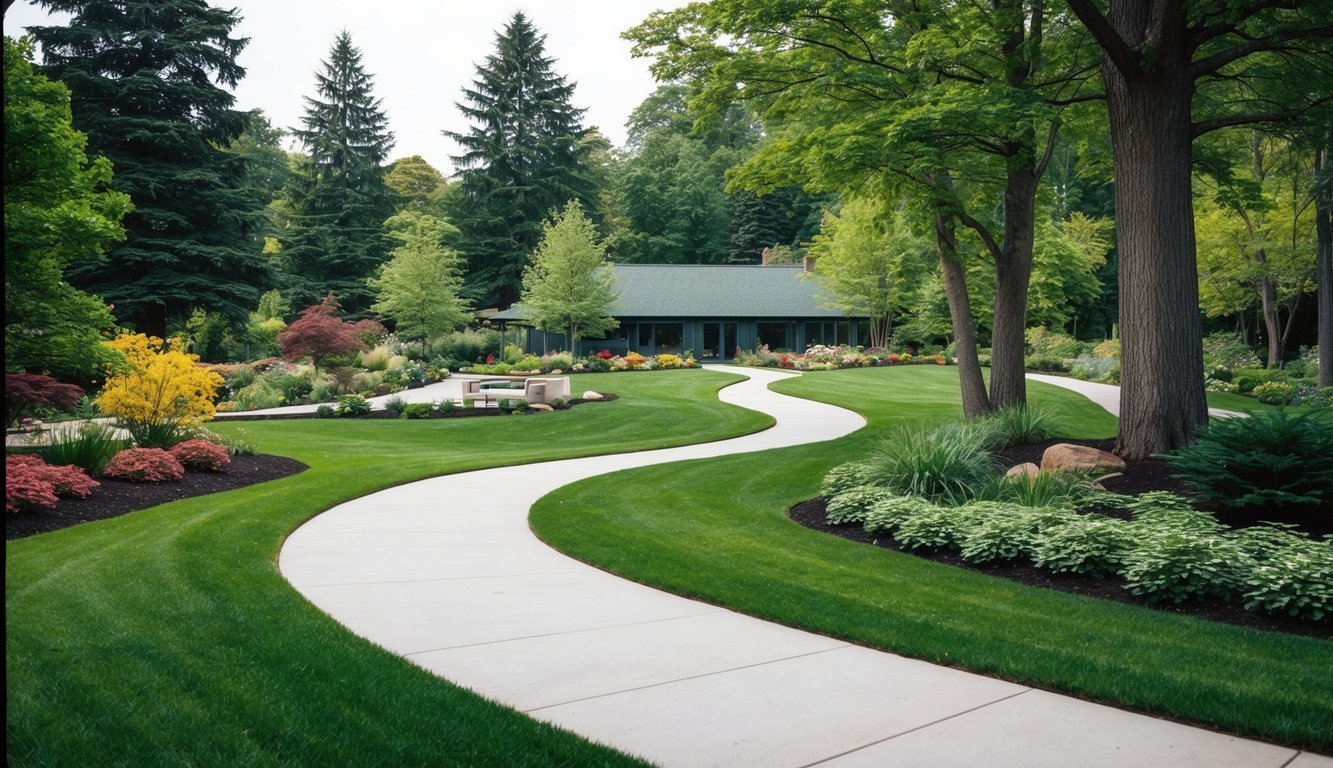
997, 531
886, 515
1086, 544
852, 505
1178, 563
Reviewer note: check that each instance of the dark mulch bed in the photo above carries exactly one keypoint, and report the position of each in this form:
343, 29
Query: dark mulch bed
1139, 477
117, 497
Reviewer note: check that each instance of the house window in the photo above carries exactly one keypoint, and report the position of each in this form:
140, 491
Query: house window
774, 335
669, 336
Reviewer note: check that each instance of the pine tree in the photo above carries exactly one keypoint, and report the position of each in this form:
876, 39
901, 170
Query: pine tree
340, 202
521, 160
144, 79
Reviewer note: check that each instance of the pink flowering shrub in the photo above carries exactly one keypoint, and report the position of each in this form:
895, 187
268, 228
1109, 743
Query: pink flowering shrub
201, 455
26, 489
30, 482
144, 465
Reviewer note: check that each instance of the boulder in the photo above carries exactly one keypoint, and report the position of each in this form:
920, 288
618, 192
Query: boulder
590, 395
1026, 469
540, 407
1066, 456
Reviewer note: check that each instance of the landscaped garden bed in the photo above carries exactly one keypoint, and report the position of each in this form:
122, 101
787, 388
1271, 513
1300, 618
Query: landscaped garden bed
1139, 477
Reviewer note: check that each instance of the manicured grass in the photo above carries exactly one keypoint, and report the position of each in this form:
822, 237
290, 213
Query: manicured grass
168, 637
1267, 685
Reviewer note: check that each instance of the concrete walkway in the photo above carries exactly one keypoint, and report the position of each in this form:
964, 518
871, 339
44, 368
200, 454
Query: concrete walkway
1107, 395
446, 573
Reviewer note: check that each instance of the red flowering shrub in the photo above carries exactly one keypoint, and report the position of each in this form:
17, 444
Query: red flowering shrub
605, 354
201, 455
369, 331
144, 465
31, 482
26, 489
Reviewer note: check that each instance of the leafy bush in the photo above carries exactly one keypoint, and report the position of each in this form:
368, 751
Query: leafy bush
668, 361
90, 447
886, 515
201, 455
257, 396
1317, 397
444, 406
527, 363
596, 364
843, 478
159, 391
1045, 363
351, 405
933, 528
851, 506
1292, 574
998, 531
557, 361
1178, 562
417, 411
325, 411
1088, 544
1274, 392
469, 346
395, 405
144, 465
1229, 351
1272, 459
944, 463
1093, 368
318, 334
292, 387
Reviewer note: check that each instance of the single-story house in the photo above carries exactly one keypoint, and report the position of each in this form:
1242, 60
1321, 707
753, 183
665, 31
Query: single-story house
710, 310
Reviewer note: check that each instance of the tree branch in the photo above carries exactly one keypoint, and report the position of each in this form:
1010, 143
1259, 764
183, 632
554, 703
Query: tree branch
982, 232
1208, 126
1050, 148
1112, 44
1222, 58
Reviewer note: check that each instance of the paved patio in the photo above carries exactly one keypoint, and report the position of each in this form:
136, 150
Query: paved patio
446, 573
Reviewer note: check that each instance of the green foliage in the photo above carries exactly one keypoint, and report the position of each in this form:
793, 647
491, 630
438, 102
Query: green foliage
1092, 368
1017, 425
1176, 562
91, 446
325, 411
669, 200
420, 285
852, 505
339, 201
1086, 544
569, 287
1274, 393
1066, 490
469, 346
149, 83
395, 405
941, 464
843, 478
1269, 459
1229, 351
417, 410
59, 211
1292, 574
1000, 531
519, 108
866, 260
351, 405
934, 528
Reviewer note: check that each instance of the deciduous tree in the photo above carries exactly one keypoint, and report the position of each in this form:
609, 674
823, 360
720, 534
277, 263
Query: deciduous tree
318, 333
569, 286
419, 287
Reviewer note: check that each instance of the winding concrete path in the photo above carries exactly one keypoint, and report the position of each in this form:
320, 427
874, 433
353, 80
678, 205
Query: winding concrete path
1107, 395
446, 573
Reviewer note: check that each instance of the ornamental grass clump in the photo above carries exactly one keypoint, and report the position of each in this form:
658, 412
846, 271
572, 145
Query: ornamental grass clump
201, 455
144, 465
1272, 459
1018, 425
942, 464
91, 446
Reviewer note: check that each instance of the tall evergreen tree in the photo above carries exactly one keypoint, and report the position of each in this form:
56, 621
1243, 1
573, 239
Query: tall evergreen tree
341, 201
521, 160
144, 79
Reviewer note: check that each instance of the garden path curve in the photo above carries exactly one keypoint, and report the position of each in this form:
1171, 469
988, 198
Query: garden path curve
446, 573
1106, 395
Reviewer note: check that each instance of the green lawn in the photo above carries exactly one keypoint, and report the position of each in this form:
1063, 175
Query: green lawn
168, 637
717, 530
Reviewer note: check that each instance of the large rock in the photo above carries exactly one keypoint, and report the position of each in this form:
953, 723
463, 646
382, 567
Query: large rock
1026, 469
539, 407
590, 395
1066, 456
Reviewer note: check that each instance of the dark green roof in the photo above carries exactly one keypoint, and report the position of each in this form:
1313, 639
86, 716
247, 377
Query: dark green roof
707, 290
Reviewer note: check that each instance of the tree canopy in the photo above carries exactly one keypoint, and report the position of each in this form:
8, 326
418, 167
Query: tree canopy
569, 287
419, 287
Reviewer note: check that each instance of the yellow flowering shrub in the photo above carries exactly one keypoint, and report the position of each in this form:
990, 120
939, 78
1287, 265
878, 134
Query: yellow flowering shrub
158, 391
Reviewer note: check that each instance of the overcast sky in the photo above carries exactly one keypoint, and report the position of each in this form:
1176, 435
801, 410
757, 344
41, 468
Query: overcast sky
422, 53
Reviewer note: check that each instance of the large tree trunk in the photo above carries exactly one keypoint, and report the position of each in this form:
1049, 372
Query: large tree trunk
1161, 394
1323, 201
975, 402
1013, 269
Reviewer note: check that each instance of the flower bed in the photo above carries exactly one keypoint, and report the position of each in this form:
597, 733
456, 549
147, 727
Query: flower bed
827, 358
